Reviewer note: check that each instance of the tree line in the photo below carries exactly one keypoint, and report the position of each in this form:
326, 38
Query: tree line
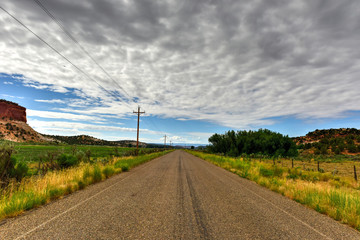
263, 142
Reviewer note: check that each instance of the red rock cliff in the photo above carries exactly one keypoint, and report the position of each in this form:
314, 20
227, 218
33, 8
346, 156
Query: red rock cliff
12, 110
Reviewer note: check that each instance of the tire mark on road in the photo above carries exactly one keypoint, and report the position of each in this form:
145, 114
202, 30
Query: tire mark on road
200, 216
179, 222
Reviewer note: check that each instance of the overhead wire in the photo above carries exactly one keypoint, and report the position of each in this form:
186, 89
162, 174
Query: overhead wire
38, 2
60, 54
69, 35
70, 62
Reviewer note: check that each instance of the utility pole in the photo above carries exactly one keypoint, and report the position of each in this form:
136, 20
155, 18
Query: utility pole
137, 139
165, 141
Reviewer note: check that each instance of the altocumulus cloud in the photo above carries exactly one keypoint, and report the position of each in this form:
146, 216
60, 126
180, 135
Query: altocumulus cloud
237, 63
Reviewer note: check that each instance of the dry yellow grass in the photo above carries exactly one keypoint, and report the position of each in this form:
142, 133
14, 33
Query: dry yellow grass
344, 168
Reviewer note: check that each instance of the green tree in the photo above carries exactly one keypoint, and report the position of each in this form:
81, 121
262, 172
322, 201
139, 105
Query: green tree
262, 141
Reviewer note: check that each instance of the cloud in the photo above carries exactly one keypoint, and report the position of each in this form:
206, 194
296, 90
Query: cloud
76, 127
238, 64
50, 101
61, 115
10, 96
200, 134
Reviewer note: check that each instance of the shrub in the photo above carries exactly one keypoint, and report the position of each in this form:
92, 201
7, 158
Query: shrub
266, 172
96, 176
278, 172
21, 169
81, 156
67, 160
108, 171
294, 173
86, 173
88, 155
9, 168
124, 166
81, 184
55, 193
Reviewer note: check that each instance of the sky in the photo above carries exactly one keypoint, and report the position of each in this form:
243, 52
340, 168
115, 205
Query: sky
195, 67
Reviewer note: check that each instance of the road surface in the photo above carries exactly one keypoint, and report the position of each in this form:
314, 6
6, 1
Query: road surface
177, 196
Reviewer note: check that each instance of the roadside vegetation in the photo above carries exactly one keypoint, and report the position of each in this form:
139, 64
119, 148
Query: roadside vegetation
31, 176
330, 142
326, 192
32, 153
262, 141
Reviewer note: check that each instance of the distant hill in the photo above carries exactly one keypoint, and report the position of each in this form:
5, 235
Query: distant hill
18, 131
88, 140
331, 141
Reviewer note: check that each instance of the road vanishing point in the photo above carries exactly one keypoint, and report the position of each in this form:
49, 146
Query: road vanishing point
177, 196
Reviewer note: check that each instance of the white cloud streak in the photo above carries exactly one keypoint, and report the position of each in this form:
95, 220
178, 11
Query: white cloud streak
50, 101
61, 115
75, 127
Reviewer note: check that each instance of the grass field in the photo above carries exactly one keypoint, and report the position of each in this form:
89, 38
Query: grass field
341, 167
31, 153
332, 194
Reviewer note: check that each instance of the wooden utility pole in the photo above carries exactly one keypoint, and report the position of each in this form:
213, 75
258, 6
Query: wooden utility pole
165, 142
137, 139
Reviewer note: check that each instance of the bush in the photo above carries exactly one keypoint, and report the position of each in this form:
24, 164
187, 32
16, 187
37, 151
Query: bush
278, 172
67, 160
124, 166
9, 168
86, 173
266, 172
81, 156
55, 193
21, 169
97, 177
81, 184
88, 155
108, 171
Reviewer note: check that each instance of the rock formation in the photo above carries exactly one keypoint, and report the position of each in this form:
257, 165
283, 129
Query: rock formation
12, 111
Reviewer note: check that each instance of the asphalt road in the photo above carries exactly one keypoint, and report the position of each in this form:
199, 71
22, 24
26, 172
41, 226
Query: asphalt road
177, 196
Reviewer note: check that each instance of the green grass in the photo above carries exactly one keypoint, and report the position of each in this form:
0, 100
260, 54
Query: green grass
336, 196
31, 153
34, 191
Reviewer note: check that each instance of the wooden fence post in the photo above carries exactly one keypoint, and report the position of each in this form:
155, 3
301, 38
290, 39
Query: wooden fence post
355, 175
318, 166
292, 162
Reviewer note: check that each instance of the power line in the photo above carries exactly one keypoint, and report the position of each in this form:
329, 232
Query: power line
154, 125
38, 2
69, 61
51, 47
